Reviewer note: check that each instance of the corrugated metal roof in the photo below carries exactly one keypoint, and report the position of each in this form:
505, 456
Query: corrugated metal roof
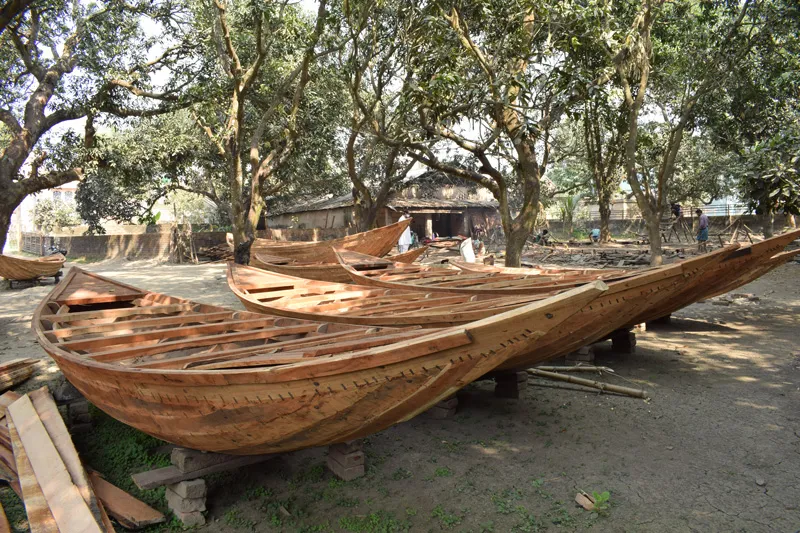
346, 200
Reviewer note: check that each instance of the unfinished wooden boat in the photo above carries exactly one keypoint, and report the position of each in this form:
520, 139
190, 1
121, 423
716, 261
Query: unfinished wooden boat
542, 271
330, 271
24, 269
290, 296
210, 378
377, 242
443, 279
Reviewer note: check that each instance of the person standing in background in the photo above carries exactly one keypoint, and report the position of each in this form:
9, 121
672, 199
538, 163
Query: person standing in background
702, 231
405, 238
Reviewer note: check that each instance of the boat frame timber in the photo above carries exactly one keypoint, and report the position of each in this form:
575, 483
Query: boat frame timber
248, 404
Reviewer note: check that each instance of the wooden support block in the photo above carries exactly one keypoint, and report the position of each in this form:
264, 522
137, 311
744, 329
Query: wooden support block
663, 321
509, 385
170, 475
623, 342
348, 459
187, 460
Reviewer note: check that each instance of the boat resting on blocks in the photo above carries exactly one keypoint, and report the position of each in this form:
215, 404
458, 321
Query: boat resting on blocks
214, 379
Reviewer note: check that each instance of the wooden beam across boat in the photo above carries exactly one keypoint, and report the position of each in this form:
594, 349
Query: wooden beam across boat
281, 383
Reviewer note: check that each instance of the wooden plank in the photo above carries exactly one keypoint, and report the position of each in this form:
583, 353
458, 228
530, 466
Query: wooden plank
143, 323
40, 519
130, 512
166, 333
153, 479
115, 313
68, 507
135, 351
48, 413
7, 399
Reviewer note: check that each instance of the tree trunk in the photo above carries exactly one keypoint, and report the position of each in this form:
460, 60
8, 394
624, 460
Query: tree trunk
604, 206
515, 243
766, 220
654, 234
5, 223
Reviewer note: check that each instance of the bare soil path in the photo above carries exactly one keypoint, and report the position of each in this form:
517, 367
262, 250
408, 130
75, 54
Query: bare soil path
717, 448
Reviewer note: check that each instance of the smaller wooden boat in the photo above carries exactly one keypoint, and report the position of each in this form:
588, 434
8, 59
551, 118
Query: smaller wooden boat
318, 270
290, 296
377, 242
210, 378
23, 269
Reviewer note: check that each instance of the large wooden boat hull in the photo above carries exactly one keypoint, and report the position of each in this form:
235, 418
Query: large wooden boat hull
320, 271
209, 378
290, 296
21, 269
377, 242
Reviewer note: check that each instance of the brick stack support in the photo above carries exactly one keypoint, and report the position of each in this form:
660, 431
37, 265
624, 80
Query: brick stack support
509, 385
444, 409
346, 460
187, 501
582, 355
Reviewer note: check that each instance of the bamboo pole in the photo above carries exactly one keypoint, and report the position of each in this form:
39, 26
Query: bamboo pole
636, 393
576, 368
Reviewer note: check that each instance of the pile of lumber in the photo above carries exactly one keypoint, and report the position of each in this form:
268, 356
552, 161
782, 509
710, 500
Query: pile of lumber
15, 372
219, 252
40, 463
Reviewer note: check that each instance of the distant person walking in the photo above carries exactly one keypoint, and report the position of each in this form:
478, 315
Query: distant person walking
702, 231
405, 238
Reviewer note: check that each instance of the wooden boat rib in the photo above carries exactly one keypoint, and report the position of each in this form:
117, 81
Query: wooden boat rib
330, 271
377, 242
23, 269
289, 296
210, 378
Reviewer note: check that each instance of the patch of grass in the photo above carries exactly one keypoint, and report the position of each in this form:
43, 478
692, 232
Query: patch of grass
505, 502
446, 520
15, 510
236, 521
259, 492
442, 471
376, 522
312, 475
117, 451
527, 524
401, 473
344, 501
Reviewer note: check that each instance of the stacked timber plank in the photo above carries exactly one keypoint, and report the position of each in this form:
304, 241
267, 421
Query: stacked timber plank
40, 463
15, 372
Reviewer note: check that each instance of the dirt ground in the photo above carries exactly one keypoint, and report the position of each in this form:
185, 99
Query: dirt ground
716, 448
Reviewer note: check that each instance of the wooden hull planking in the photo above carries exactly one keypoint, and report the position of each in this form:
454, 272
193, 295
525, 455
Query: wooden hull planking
209, 378
377, 242
22, 269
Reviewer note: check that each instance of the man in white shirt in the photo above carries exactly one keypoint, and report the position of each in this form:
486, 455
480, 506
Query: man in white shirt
405, 238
